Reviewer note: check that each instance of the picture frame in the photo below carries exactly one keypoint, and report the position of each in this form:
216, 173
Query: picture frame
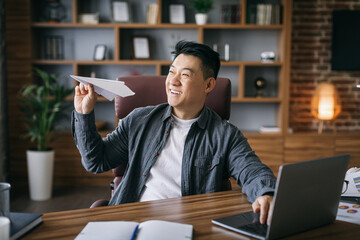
177, 13
141, 47
120, 11
100, 52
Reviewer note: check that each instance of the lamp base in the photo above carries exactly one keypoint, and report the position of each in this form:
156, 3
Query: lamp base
321, 126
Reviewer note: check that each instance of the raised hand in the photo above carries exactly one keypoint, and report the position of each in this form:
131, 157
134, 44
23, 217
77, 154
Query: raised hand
85, 98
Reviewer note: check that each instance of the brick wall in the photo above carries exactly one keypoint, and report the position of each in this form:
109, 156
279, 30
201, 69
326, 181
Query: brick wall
311, 63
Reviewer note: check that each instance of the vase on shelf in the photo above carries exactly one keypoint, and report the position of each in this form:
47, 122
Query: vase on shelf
201, 18
54, 11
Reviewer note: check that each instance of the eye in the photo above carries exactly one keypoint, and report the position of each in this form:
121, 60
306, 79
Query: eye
186, 74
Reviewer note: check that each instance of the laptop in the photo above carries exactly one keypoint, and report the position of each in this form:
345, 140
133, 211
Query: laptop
307, 196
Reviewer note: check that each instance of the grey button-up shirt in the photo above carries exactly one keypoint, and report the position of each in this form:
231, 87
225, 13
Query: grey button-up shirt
214, 150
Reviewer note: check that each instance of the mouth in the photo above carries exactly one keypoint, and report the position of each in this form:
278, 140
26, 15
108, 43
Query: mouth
175, 92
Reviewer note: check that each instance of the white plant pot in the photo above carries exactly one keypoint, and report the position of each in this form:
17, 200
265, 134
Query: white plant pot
40, 174
201, 18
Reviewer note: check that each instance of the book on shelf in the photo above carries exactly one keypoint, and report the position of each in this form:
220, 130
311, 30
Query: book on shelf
152, 13
264, 14
230, 13
21, 223
53, 47
269, 129
152, 229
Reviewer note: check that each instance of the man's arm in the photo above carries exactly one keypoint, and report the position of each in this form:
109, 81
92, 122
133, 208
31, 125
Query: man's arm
256, 179
97, 154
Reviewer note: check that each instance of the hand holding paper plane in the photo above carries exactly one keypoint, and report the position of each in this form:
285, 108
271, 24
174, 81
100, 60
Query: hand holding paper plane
105, 87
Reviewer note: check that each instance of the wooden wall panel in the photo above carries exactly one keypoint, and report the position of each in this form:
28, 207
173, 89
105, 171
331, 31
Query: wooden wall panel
302, 148
18, 53
269, 149
349, 145
68, 168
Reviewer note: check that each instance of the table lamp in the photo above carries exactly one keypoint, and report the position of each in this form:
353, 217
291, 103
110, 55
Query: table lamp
325, 104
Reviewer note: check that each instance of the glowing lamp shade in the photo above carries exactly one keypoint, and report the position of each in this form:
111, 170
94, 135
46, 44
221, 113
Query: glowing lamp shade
325, 104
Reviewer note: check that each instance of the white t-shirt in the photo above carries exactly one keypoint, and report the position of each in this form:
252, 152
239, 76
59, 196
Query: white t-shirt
164, 180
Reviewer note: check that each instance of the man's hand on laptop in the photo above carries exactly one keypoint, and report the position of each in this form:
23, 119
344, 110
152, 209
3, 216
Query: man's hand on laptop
264, 205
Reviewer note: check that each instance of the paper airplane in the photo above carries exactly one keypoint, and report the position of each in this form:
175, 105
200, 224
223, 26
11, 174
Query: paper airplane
105, 87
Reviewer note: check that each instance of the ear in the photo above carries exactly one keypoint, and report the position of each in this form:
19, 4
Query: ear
210, 84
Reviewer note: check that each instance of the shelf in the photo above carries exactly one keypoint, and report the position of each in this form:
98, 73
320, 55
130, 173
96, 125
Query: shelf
252, 63
147, 62
240, 26
255, 100
261, 135
72, 25
161, 25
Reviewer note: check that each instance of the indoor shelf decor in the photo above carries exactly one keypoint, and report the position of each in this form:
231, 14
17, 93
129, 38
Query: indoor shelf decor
202, 7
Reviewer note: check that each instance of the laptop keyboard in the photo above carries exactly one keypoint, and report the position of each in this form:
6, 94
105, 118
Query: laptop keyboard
256, 228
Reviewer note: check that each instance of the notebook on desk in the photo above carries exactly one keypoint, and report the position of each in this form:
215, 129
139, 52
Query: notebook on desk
307, 196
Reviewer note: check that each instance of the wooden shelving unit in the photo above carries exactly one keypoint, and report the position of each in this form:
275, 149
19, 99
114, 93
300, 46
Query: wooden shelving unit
119, 32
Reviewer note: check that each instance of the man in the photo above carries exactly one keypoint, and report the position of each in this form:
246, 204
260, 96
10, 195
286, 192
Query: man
177, 148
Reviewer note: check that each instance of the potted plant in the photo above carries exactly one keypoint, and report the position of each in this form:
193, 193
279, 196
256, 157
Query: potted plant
42, 105
202, 7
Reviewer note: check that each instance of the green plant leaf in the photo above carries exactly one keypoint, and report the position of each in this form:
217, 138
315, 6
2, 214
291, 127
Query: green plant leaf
42, 105
202, 6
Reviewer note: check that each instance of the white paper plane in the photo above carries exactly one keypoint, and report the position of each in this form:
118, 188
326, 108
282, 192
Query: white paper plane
105, 87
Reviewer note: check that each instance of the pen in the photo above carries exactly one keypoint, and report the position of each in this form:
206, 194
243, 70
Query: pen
354, 200
135, 232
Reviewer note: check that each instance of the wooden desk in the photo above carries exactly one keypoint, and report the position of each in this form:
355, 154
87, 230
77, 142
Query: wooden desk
197, 210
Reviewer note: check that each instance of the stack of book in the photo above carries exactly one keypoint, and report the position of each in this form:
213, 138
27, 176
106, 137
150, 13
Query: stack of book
53, 47
21, 223
269, 129
264, 14
152, 13
230, 13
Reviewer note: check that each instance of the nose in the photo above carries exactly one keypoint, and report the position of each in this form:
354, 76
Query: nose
174, 79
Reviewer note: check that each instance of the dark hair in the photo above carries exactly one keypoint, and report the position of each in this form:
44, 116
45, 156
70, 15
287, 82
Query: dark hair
210, 59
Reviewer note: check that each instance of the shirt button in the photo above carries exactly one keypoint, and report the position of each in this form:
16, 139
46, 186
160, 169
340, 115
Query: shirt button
76, 120
144, 175
156, 153
166, 131
209, 166
171, 120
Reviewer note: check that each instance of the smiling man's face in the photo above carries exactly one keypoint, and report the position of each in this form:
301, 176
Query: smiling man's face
186, 88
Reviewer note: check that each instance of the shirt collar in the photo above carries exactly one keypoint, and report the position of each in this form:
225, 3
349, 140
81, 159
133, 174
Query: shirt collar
202, 117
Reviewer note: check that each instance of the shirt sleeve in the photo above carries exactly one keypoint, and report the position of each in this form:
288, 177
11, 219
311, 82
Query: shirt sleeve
98, 154
255, 178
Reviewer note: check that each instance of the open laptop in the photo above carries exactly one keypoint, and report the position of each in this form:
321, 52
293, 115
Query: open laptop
307, 196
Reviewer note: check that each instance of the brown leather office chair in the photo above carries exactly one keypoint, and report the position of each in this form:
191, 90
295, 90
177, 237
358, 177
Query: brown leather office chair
150, 90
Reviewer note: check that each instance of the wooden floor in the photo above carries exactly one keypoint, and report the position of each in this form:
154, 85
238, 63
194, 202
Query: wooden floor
63, 198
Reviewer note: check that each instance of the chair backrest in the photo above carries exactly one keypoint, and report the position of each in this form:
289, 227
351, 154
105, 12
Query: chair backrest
150, 91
